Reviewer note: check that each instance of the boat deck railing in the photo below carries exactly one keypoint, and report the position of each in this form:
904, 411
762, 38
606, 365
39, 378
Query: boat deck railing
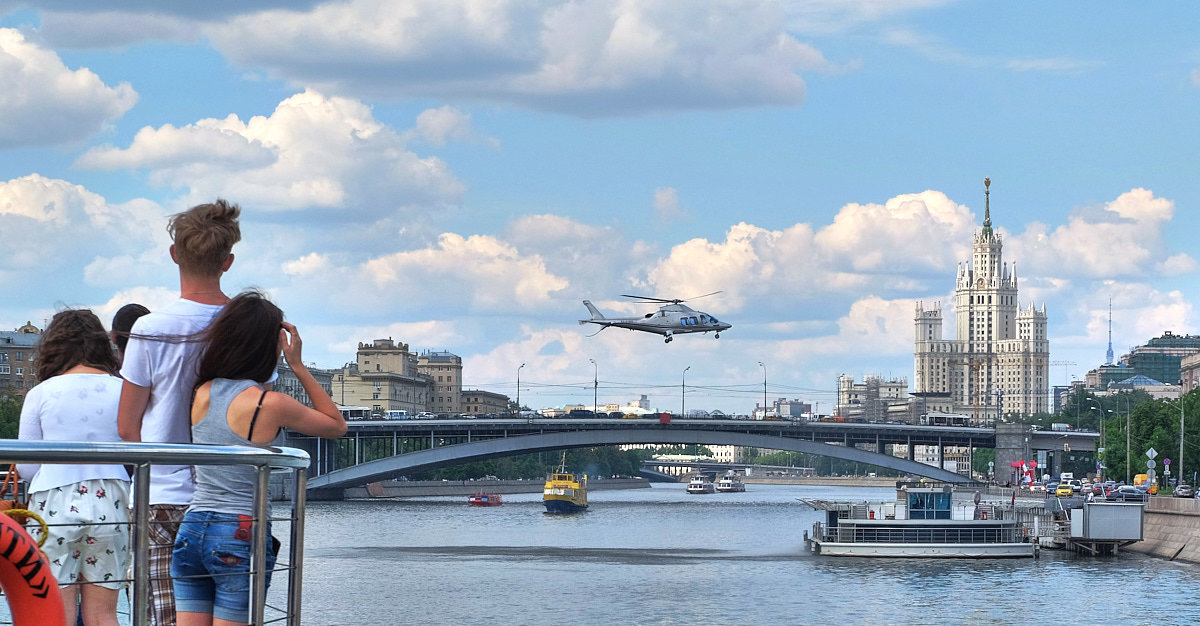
141, 456
909, 534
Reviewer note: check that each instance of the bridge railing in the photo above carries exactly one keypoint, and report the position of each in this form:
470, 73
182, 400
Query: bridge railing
143, 455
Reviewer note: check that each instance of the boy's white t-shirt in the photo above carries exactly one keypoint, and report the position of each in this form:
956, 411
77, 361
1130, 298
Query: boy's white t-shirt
168, 369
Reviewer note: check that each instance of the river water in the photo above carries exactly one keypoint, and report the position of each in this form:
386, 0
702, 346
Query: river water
662, 556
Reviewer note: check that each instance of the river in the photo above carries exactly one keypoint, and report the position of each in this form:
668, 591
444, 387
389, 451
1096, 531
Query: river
661, 556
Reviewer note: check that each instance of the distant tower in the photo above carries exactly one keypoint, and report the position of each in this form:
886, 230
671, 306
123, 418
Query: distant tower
1108, 357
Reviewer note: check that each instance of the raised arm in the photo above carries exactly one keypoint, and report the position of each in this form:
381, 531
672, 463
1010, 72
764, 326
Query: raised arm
323, 419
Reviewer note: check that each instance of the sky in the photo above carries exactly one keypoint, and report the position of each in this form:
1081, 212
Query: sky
460, 175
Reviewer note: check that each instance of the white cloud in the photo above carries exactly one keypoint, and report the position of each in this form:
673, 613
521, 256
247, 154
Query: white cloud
846, 257
44, 102
438, 126
478, 270
1057, 65
1124, 237
666, 204
312, 151
73, 238
595, 58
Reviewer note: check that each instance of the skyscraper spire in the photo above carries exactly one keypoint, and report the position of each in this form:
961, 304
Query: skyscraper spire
987, 208
1108, 360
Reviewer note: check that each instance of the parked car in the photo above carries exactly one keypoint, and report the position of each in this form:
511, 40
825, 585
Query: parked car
1184, 491
1129, 493
1064, 490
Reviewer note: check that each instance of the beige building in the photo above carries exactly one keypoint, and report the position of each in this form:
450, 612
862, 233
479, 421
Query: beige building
384, 377
445, 372
998, 362
480, 402
1189, 372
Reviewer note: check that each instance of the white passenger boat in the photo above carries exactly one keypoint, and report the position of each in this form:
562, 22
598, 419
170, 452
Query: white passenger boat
730, 484
921, 524
700, 484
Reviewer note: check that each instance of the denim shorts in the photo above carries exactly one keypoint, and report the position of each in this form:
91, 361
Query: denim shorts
211, 566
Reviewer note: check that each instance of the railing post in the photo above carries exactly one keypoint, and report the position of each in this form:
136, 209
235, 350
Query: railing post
296, 555
141, 539
258, 558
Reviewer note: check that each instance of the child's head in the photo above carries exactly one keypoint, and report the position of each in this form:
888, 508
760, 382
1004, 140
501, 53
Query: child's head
123, 322
204, 236
74, 337
242, 343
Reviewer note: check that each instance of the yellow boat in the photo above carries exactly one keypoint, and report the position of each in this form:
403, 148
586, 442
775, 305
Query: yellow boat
564, 493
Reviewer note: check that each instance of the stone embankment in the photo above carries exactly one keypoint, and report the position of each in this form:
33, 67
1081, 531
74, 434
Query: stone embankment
427, 488
1171, 529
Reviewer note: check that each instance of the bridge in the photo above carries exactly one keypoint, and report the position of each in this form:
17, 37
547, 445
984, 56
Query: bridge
376, 450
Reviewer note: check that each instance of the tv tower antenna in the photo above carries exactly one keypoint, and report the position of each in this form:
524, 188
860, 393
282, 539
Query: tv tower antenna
1108, 360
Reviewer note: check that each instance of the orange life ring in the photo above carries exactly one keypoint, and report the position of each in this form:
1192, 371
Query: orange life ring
31, 590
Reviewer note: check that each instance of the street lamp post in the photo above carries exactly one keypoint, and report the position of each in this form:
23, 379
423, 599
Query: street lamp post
595, 385
1179, 464
764, 389
519, 390
1128, 476
683, 394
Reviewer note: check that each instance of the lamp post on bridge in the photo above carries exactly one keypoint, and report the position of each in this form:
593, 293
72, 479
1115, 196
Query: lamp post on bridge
519, 390
595, 385
683, 394
764, 389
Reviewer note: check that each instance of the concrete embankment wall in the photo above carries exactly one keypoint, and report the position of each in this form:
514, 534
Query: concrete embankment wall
1171, 529
426, 488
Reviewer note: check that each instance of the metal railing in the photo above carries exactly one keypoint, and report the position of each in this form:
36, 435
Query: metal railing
143, 455
902, 534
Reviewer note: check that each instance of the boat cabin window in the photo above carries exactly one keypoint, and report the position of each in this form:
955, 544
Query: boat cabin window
928, 505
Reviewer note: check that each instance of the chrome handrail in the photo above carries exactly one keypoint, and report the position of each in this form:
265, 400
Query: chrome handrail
142, 456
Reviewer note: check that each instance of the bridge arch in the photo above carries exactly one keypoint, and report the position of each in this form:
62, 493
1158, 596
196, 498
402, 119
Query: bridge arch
434, 458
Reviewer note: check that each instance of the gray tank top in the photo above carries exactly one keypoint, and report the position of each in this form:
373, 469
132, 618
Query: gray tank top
225, 488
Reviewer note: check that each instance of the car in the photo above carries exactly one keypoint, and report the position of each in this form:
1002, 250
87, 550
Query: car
1184, 491
1076, 485
1050, 487
1064, 490
1037, 486
1129, 493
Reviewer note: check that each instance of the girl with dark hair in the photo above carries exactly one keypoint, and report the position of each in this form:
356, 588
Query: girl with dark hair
211, 561
122, 323
85, 505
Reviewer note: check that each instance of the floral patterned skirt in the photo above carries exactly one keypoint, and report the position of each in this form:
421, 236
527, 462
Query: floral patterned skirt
89, 531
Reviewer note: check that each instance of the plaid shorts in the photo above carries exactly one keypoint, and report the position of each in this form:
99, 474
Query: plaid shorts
164, 524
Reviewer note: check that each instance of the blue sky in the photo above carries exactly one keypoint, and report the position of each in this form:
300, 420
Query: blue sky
458, 176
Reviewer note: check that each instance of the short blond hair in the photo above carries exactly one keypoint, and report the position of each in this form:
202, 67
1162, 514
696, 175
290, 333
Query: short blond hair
204, 236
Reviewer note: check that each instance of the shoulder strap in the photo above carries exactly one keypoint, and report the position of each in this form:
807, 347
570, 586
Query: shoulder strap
254, 418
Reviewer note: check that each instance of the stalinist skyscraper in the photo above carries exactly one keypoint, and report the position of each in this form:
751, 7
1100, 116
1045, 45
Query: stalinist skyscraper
998, 363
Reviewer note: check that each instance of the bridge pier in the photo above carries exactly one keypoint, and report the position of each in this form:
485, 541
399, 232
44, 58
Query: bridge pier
1011, 446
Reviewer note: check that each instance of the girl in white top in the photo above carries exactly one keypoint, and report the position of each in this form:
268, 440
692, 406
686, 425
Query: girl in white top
86, 506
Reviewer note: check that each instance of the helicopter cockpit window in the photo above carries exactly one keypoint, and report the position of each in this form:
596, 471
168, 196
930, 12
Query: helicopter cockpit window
704, 319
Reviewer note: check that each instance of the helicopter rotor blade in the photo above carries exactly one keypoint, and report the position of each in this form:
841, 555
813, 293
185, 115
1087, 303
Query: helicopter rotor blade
649, 299
703, 296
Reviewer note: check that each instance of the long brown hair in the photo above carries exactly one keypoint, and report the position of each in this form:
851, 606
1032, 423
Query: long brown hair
242, 343
74, 337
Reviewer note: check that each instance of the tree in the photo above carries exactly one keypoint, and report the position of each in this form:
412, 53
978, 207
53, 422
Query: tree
10, 415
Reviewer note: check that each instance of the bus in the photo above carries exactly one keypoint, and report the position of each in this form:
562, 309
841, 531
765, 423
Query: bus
355, 412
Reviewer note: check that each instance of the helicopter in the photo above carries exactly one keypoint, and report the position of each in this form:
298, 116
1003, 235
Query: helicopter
673, 317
